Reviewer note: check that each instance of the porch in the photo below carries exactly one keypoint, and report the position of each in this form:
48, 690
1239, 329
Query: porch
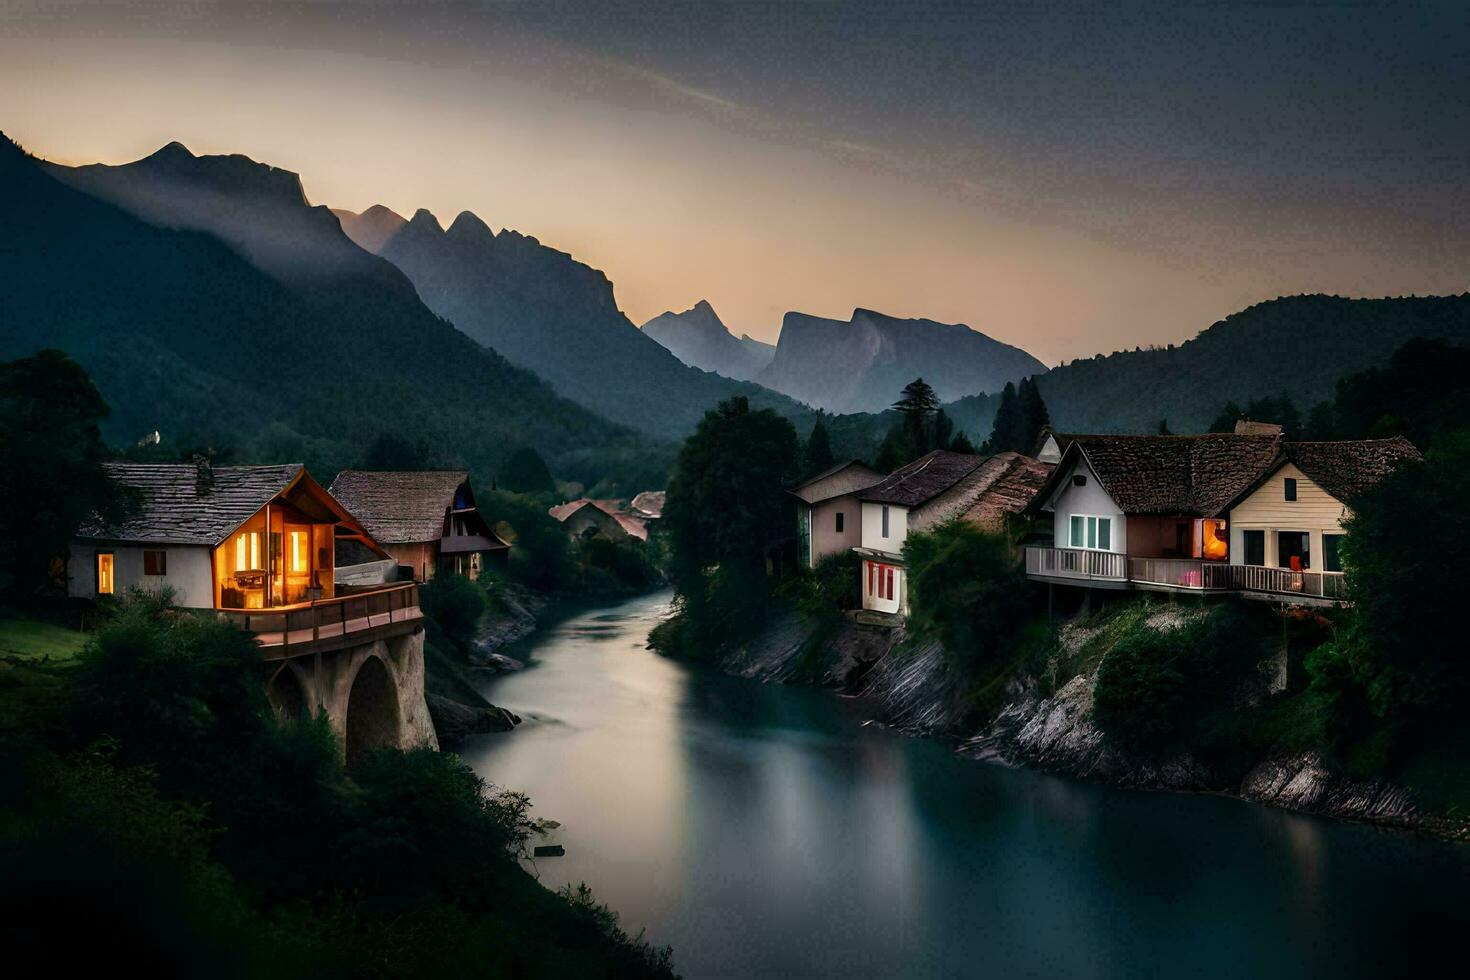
307, 627
1113, 570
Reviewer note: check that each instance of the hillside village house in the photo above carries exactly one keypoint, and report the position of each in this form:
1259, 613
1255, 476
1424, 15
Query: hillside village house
648, 506
988, 490
426, 520
828, 513
585, 519
1247, 512
231, 537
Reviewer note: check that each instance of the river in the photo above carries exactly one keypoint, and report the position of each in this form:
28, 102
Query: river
766, 831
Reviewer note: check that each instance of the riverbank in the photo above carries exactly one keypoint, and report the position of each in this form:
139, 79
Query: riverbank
1037, 712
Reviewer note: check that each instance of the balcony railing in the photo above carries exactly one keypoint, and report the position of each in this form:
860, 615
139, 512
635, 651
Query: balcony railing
1183, 573
282, 627
1078, 563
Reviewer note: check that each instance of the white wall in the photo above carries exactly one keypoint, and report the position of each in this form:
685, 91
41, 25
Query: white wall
1090, 499
188, 571
898, 527
1315, 511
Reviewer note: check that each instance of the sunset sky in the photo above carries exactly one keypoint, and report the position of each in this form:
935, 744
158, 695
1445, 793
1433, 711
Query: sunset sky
1061, 179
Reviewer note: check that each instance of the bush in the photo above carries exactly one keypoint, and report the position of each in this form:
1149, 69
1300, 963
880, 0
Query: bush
624, 561
966, 588
453, 606
1156, 685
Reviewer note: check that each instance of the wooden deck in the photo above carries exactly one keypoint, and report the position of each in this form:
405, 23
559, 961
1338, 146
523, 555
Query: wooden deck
1110, 570
296, 630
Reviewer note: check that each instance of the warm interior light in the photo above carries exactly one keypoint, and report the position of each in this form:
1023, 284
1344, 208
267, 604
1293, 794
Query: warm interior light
1214, 540
298, 551
104, 575
247, 551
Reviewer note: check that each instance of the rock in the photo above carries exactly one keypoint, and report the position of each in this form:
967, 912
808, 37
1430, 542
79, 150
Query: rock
496, 663
455, 721
1302, 781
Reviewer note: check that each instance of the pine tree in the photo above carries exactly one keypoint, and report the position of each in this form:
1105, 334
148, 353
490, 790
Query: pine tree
1007, 421
817, 456
1034, 417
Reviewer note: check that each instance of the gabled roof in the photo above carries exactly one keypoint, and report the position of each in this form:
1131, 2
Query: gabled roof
609, 508
1011, 481
923, 479
180, 503
862, 476
1187, 475
1345, 469
396, 507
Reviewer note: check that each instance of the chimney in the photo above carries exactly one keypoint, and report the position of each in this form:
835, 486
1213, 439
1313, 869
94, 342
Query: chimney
203, 474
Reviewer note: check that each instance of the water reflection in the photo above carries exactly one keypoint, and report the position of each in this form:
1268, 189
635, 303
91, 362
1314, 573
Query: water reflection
765, 832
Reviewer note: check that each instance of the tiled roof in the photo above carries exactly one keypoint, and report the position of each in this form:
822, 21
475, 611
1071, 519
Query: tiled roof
1015, 482
634, 526
923, 479
823, 487
399, 507
177, 506
1187, 475
1249, 427
1348, 469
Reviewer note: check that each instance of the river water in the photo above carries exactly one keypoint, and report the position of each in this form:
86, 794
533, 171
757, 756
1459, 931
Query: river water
766, 831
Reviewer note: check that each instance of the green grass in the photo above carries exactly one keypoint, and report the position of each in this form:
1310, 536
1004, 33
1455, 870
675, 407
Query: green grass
35, 641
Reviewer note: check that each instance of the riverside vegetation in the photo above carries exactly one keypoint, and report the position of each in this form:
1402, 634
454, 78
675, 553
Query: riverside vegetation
1357, 711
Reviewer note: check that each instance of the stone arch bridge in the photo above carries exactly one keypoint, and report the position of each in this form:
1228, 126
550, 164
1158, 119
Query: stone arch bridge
360, 657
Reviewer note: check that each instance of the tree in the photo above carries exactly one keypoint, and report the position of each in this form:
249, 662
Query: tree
52, 479
922, 427
1230, 413
726, 502
1004, 431
389, 451
526, 472
1019, 419
1164, 428
966, 587
818, 454
961, 444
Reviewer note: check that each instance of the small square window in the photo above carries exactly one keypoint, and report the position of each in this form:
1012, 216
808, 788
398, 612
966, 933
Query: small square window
1290, 489
155, 563
1078, 480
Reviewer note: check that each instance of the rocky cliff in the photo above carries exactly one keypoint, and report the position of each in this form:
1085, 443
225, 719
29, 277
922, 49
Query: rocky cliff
861, 365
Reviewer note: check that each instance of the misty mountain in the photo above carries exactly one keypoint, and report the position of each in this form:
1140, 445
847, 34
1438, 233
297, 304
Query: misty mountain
1299, 345
544, 310
699, 338
371, 229
182, 333
860, 365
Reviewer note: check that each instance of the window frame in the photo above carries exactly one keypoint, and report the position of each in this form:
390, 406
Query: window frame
1092, 525
838, 522
1290, 489
97, 557
1330, 554
884, 533
161, 555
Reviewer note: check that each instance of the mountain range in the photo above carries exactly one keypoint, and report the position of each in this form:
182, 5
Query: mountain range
159, 296
699, 338
861, 364
1299, 345
545, 311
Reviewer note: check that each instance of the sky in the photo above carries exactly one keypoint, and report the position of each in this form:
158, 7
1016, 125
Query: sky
1070, 178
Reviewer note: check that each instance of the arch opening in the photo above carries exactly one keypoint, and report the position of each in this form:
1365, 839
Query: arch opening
287, 695
372, 709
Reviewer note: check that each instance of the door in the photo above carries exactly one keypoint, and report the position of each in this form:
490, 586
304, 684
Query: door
1255, 547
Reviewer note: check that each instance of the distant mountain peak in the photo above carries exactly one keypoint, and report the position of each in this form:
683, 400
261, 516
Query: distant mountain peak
172, 150
372, 229
468, 224
703, 306
699, 338
423, 220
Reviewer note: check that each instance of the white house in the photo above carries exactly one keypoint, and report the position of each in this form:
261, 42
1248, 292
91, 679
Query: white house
934, 488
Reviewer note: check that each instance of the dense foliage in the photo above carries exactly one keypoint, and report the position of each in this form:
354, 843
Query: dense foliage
153, 796
727, 505
922, 427
1423, 392
966, 587
453, 606
1019, 419
1157, 685
52, 478
525, 472
816, 455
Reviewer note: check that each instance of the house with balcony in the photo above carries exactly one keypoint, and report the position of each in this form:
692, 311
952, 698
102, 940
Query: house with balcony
828, 512
426, 520
941, 486
1246, 512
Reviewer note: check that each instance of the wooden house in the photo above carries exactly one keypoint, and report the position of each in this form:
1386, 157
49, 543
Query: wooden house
425, 520
229, 537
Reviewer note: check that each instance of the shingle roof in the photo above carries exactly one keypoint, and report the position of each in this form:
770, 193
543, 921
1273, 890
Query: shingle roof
1015, 482
862, 476
1187, 475
399, 507
1348, 469
175, 506
632, 525
650, 503
923, 479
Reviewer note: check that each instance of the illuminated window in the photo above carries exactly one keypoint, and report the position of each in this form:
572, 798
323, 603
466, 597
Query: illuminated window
104, 573
1091, 533
247, 551
300, 552
1211, 540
